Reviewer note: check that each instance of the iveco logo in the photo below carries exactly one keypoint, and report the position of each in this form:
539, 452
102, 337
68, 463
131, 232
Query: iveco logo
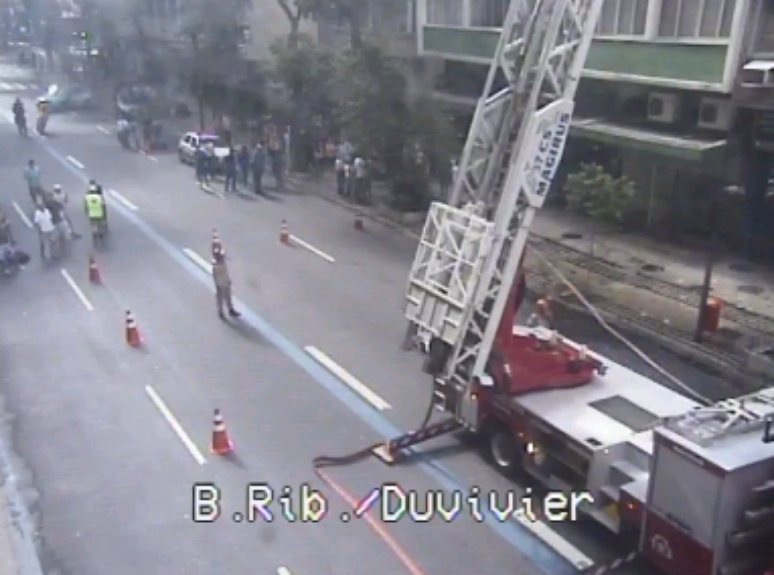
661, 547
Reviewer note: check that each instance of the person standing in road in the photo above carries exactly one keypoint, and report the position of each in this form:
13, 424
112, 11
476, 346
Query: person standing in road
243, 163
57, 218
46, 229
59, 198
222, 281
257, 164
33, 177
230, 167
201, 160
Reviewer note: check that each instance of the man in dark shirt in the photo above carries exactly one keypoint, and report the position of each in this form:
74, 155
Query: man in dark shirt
257, 165
230, 167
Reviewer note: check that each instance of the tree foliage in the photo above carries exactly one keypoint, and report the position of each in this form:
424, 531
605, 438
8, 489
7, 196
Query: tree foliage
353, 11
306, 69
371, 102
594, 192
367, 95
215, 28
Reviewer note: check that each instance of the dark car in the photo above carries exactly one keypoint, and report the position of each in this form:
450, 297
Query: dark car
65, 99
135, 100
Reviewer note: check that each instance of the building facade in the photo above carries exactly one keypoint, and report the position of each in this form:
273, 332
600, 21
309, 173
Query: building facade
753, 96
655, 100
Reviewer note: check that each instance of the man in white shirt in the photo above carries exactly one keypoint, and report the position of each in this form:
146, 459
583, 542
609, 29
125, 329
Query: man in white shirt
60, 199
47, 230
360, 178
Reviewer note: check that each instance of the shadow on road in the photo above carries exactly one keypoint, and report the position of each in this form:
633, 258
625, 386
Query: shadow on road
436, 454
234, 459
247, 331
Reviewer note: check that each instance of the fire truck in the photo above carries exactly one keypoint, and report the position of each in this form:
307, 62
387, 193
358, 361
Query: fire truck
693, 484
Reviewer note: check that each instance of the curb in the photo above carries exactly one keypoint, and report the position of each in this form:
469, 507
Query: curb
733, 369
365, 212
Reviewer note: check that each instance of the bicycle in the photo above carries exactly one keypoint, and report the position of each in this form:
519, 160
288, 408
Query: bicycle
21, 125
99, 230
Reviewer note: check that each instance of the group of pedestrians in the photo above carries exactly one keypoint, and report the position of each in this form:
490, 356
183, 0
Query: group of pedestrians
51, 218
240, 168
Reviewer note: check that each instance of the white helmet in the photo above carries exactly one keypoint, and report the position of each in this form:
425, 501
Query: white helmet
57, 187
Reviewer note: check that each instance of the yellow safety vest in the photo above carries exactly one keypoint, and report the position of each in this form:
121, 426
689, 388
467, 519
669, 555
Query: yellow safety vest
95, 207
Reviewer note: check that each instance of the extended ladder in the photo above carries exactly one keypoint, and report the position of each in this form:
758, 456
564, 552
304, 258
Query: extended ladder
728, 417
468, 257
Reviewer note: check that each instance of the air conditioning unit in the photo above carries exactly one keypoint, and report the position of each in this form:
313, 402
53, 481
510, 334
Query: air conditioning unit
715, 114
663, 108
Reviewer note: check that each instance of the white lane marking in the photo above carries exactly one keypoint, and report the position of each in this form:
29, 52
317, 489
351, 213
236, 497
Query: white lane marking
75, 162
17, 86
555, 541
312, 249
152, 158
283, 571
175, 425
103, 130
198, 260
81, 296
121, 198
5, 86
22, 215
348, 379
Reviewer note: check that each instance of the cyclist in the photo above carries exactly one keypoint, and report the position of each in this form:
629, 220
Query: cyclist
20, 116
96, 211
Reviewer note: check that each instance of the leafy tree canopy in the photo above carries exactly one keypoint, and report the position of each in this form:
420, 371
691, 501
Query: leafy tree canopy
594, 192
215, 27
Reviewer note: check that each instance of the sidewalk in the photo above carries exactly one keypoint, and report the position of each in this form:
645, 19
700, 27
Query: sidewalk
9, 564
636, 283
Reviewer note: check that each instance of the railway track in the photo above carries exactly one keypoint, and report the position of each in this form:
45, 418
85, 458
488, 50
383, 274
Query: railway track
609, 270
730, 364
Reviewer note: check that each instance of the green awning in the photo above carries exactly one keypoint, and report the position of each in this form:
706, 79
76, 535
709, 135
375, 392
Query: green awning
681, 148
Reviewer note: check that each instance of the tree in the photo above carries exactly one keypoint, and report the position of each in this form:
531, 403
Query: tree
215, 35
295, 14
372, 107
594, 192
353, 11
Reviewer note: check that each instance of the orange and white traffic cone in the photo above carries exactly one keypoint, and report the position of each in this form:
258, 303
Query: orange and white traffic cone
217, 245
133, 337
94, 276
284, 233
221, 443
359, 222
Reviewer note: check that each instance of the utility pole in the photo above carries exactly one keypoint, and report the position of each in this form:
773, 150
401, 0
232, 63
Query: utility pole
716, 191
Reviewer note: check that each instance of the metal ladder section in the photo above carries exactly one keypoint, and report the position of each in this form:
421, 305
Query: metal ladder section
471, 250
728, 417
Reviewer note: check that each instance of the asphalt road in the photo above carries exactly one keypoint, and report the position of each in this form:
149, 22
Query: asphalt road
111, 480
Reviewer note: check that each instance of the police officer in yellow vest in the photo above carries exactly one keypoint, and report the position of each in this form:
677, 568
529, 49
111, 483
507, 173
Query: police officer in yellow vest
96, 210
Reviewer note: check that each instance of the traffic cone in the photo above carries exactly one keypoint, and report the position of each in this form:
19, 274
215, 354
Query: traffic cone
359, 223
221, 443
94, 276
217, 245
284, 233
132, 333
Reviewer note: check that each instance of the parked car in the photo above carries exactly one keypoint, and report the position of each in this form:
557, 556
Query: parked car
65, 99
191, 142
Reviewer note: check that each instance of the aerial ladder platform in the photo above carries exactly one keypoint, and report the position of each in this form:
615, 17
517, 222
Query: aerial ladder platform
460, 293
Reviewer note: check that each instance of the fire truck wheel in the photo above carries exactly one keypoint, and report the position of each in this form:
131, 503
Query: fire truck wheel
502, 449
